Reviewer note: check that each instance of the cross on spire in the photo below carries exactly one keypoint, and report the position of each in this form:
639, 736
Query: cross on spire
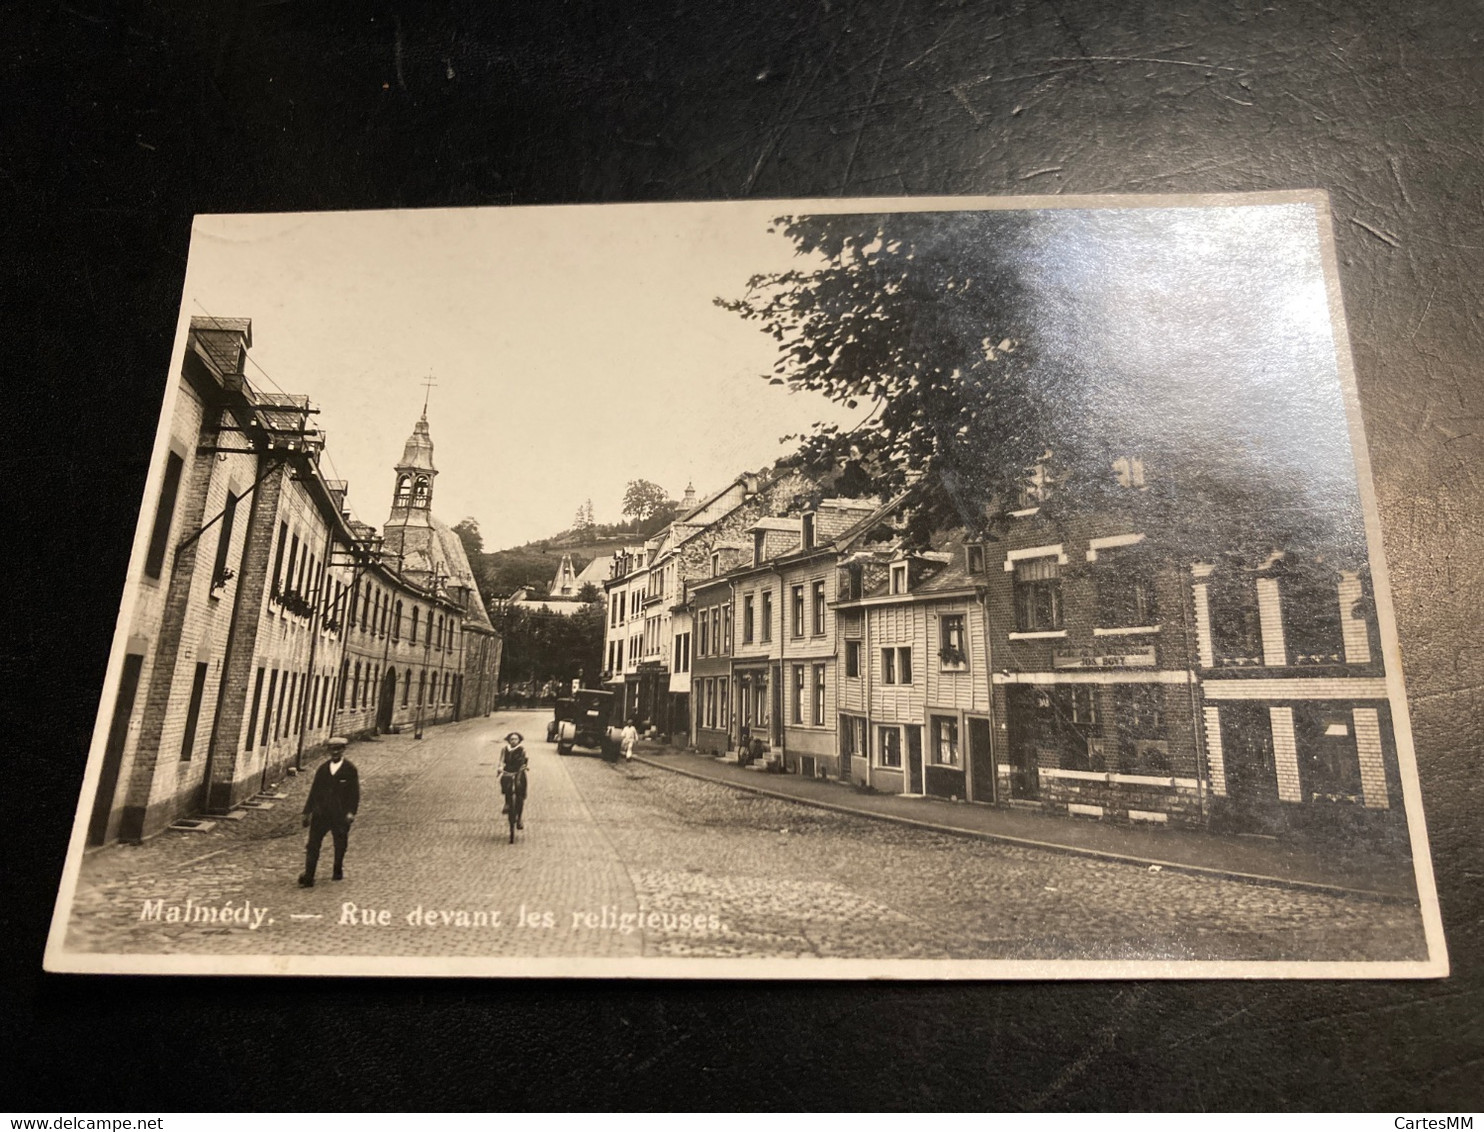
427, 384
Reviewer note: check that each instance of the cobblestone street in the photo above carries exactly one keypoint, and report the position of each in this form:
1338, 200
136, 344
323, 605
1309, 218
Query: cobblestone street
630, 860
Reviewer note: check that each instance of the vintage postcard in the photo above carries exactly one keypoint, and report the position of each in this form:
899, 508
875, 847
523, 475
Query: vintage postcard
929, 589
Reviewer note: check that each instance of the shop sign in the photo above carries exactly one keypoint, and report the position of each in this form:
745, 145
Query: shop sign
1090, 658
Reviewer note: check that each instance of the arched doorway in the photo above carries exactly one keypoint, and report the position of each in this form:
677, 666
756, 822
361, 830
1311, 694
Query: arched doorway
387, 701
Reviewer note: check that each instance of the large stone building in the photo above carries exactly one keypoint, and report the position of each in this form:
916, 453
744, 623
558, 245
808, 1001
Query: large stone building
249, 600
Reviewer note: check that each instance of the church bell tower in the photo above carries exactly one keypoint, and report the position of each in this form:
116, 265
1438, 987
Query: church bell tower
412, 500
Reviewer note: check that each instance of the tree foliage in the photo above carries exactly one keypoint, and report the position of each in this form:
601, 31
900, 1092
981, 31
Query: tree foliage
642, 500
468, 531
921, 322
927, 324
543, 645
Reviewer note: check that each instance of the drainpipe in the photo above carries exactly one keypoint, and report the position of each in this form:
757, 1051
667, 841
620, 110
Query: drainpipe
994, 743
783, 631
1198, 731
866, 688
315, 622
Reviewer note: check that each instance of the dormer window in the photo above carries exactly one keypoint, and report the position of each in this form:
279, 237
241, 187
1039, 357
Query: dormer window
854, 581
715, 563
759, 546
974, 558
806, 542
898, 577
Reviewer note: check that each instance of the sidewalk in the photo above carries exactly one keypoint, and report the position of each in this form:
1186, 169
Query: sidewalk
1258, 859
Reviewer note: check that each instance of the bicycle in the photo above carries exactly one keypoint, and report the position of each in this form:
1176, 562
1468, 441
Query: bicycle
513, 786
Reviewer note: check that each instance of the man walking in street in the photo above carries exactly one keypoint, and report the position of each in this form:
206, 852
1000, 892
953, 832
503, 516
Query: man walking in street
627, 738
334, 797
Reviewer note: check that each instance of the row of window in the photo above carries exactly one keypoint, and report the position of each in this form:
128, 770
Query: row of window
1308, 628
622, 608
1124, 581
362, 683
378, 614
944, 748
713, 708
616, 653
286, 711
713, 630
296, 577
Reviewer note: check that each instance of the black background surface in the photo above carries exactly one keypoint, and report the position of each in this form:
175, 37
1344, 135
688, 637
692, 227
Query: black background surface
121, 121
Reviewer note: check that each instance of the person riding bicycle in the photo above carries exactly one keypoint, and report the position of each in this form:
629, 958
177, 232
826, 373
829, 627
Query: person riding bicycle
512, 771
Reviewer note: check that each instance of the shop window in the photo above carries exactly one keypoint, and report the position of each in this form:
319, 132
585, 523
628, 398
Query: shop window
945, 750
889, 746
1143, 746
1068, 726
853, 737
1038, 595
953, 651
1329, 762
1125, 588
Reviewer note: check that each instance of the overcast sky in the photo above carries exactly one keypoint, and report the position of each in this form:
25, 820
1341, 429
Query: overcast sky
577, 348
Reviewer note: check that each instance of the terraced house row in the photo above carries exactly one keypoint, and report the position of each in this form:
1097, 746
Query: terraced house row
262, 618
1081, 661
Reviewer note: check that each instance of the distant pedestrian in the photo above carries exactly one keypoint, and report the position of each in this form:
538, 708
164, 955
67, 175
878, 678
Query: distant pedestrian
334, 798
627, 738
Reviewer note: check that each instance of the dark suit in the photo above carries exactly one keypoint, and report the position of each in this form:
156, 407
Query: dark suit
333, 800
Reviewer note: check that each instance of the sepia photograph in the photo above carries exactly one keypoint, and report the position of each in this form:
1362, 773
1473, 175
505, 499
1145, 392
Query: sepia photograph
921, 588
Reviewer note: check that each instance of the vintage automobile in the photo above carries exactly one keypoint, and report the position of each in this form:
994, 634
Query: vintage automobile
565, 707
591, 726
